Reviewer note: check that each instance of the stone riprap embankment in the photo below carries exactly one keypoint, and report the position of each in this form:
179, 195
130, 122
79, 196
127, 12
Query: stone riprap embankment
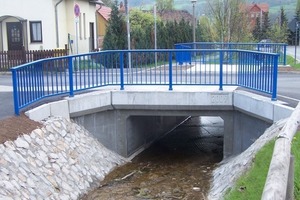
225, 176
59, 161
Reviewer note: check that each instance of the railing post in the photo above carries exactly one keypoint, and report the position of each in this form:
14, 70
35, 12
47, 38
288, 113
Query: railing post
122, 70
275, 74
170, 71
284, 54
15, 93
70, 60
221, 70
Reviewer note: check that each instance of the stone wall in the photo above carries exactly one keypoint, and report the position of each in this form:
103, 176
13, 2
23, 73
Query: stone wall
59, 161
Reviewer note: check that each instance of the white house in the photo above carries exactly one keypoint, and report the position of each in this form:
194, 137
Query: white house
48, 24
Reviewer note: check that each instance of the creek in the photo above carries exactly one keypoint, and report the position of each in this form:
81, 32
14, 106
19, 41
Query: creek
178, 166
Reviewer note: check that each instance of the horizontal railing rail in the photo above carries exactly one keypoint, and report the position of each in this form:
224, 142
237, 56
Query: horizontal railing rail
70, 74
278, 48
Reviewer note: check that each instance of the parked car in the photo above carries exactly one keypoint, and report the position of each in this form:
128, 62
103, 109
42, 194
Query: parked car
265, 42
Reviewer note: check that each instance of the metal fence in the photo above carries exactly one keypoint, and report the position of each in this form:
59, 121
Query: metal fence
67, 75
278, 48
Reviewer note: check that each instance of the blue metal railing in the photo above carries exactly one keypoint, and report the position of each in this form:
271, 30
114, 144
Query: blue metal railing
278, 48
70, 74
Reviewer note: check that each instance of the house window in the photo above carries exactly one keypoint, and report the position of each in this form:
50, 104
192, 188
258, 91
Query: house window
36, 31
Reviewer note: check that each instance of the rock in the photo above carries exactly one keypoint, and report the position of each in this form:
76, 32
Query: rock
10, 145
4, 170
27, 138
63, 133
42, 156
66, 186
58, 161
2, 148
53, 182
21, 143
30, 182
39, 133
64, 197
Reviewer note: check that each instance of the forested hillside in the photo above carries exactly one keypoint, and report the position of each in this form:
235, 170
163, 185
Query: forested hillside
275, 5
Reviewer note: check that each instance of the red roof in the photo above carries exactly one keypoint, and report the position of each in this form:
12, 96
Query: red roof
261, 6
104, 12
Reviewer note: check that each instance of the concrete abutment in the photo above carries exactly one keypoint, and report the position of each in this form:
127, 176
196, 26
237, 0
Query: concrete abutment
128, 121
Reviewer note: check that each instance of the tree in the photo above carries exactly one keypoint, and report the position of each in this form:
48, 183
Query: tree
298, 10
163, 5
279, 31
115, 37
257, 30
208, 33
108, 3
283, 19
142, 27
266, 26
229, 20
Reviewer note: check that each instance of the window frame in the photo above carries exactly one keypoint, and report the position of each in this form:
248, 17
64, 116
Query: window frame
32, 39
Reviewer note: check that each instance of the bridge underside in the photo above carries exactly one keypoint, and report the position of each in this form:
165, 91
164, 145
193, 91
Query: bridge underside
128, 121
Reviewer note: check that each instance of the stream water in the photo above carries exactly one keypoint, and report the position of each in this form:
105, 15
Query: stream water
178, 166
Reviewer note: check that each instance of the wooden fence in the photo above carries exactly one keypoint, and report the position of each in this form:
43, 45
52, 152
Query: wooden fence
9, 59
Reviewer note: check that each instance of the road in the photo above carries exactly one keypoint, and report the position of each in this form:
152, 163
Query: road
288, 91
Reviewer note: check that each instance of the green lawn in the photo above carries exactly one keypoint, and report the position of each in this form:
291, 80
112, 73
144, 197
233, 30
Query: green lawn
291, 61
250, 186
296, 153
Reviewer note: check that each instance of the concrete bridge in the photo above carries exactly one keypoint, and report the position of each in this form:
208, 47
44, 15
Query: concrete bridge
128, 121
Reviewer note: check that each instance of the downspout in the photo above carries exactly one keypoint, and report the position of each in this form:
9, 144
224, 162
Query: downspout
56, 23
97, 26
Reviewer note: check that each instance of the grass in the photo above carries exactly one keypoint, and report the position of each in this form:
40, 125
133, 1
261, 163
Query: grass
296, 153
87, 64
250, 186
291, 61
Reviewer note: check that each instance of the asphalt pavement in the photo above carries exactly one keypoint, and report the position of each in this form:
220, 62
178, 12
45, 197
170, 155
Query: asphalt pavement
6, 96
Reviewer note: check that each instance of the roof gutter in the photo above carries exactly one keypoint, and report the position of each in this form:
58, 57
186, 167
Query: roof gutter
56, 23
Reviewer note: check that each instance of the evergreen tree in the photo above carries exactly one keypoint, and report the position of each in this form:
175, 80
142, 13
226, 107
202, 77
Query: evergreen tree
115, 37
257, 33
283, 19
298, 10
266, 26
108, 3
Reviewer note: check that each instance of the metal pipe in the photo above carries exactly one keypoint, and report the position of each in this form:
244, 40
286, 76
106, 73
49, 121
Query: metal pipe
56, 23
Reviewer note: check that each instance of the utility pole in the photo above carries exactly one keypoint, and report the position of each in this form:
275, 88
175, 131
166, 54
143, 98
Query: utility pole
128, 39
194, 24
155, 34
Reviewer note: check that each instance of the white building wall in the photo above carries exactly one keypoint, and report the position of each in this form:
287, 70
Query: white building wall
83, 25
32, 10
44, 11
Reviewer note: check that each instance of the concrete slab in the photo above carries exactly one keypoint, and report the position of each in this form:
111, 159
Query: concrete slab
282, 112
89, 102
60, 108
39, 113
255, 105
